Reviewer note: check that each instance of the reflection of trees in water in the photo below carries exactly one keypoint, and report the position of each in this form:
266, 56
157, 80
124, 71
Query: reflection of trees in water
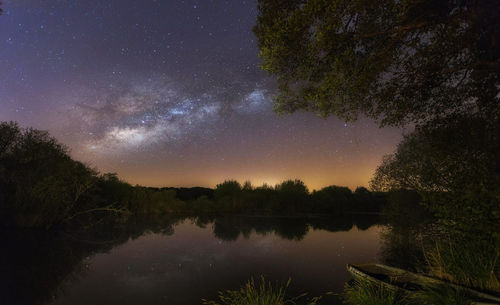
401, 247
291, 228
37, 263
406, 222
226, 229
34, 265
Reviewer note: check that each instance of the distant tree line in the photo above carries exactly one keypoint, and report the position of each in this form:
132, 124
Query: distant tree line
42, 186
291, 197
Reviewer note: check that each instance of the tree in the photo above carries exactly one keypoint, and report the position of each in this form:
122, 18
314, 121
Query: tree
455, 166
228, 188
40, 184
292, 196
228, 195
395, 61
333, 199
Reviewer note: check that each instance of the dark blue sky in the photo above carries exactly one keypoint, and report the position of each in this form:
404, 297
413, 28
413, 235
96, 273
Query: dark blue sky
168, 93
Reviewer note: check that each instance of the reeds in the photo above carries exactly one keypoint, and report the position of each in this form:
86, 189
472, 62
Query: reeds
262, 293
469, 263
440, 295
363, 292
368, 293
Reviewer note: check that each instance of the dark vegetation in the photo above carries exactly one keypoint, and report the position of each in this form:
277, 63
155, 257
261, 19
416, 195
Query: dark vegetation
433, 66
398, 62
263, 293
455, 166
41, 186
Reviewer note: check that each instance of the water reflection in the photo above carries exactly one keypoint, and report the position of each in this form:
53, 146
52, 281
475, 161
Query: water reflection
180, 261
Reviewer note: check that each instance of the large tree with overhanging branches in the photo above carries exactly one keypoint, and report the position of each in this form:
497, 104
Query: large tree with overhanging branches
432, 63
399, 62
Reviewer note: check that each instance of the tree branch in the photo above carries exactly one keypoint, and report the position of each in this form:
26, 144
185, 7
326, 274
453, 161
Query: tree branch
108, 208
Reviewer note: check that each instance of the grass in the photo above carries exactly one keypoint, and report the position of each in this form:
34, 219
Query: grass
262, 293
367, 293
441, 295
468, 263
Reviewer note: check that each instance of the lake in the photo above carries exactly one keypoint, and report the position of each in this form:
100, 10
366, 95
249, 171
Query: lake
182, 261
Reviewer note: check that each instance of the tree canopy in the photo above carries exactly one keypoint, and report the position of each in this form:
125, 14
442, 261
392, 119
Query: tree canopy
454, 164
39, 183
395, 61
444, 156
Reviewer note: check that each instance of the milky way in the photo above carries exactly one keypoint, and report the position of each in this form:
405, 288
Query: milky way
169, 93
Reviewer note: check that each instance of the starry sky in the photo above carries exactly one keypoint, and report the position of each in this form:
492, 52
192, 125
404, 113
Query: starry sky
169, 93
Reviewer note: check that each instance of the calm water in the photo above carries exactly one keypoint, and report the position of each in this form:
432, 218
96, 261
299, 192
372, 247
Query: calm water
183, 262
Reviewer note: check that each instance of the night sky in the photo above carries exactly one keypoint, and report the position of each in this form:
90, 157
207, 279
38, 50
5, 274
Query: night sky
169, 93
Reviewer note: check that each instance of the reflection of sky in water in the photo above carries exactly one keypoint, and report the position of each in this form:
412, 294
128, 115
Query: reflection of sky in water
193, 264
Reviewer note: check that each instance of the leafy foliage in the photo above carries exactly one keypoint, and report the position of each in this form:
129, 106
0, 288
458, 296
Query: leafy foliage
41, 186
395, 61
454, 165
40, 183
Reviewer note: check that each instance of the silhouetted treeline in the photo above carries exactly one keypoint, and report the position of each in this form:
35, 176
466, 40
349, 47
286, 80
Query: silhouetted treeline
292, 197
42, 186
191, 193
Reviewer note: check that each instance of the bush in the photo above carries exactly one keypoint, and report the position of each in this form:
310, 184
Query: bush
40, 185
